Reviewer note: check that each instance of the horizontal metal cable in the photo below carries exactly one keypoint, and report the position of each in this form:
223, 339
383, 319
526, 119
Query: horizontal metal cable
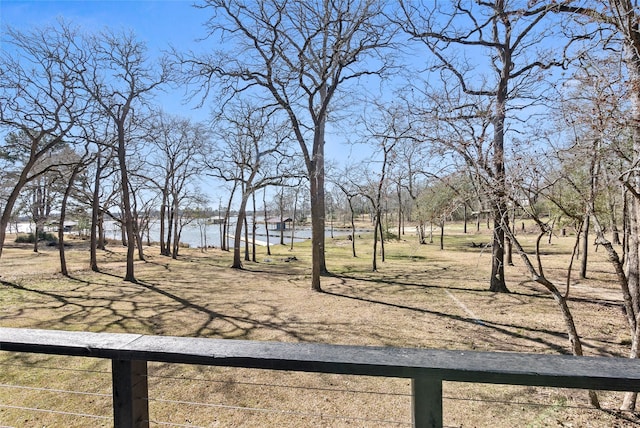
65, 391
519, 403
32, 366
57, 412
272, 385
172, 424
283, 412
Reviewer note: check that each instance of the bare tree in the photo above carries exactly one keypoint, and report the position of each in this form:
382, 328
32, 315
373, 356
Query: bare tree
297, 55
174, 164
591, 119
82, 161
511, 32
351, 193
225, 223
618, 20
102, 169
119, 79
42, 194
438, 201
38, 102
252, 150
385, 129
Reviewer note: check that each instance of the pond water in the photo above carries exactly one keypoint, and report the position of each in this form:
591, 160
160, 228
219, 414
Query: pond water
194, 235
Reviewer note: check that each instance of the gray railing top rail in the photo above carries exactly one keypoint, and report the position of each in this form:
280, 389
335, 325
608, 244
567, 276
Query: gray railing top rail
603, 373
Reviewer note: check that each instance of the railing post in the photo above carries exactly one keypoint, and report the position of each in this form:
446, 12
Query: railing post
426, 402
130, 391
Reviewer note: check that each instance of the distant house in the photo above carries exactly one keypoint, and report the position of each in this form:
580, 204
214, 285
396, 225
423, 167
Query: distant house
216, 220
276, 223
70, 226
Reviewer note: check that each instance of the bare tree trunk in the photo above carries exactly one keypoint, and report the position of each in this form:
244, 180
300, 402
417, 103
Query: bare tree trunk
585, 246
123, 231
319, 266
164, 250
101, 237
176, 224
399, 190
171, 214
508, 259
95, 216
227, 224
176, 251
422, 238
293, 222
237, 237
374, 265
465, 217
353, 228
253, 229
497, 258
500, 219
137, 227
246, 239
127, 218
63, 213
281, 227
266, 223
379, 216
37, 236
538, 276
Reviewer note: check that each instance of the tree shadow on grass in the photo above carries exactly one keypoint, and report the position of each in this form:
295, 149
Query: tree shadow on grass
400, 280
508, 329
500, 328
243, 324
57, 297
106, 306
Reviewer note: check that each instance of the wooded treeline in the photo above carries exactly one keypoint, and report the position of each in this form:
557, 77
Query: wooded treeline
479, 110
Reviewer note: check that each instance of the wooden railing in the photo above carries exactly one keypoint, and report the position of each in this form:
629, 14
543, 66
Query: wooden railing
427, 368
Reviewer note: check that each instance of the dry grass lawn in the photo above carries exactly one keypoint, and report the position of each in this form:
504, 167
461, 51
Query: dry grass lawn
421, 297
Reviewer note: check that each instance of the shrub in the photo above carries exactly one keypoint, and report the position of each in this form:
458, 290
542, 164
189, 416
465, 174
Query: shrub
388, 235
30, 238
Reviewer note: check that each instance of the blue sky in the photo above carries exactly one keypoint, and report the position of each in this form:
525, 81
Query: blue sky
159, 23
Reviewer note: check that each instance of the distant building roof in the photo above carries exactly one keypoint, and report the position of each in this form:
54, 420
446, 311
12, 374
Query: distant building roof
278, 220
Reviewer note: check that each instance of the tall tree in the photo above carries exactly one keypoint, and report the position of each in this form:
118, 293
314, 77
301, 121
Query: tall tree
351, 193
385, 129
38, 102
592, 121
504, 38
176, 160
71, 175
253, 150
120, 79
43, 193
103, 168
297, 55
618, 19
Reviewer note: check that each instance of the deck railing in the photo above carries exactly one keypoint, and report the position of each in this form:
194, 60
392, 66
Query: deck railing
427, 368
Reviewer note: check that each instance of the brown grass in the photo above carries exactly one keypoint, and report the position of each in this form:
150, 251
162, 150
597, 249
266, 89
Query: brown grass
420, 297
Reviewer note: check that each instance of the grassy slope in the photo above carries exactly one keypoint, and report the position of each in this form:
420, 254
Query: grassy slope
420, 297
